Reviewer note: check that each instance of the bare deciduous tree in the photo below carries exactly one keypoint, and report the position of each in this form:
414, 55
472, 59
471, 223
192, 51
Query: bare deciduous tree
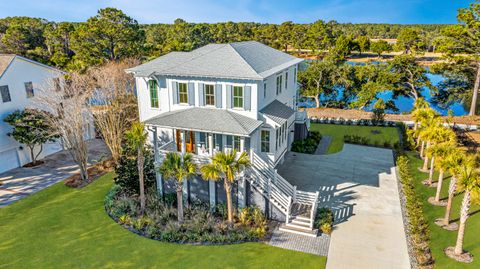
113, 103
66, 99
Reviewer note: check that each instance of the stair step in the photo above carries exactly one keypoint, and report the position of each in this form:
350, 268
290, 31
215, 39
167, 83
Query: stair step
301, 231
300, 222
302, 218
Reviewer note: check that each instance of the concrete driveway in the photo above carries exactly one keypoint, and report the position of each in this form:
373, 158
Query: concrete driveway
360, 185
21, 182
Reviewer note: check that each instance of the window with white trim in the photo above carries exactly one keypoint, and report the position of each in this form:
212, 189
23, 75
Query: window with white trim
264, 90
279, 85
209, 95
236, 143
265, 140
182, 93
238, 97
286, 80
5, 94
152, 87
29, 89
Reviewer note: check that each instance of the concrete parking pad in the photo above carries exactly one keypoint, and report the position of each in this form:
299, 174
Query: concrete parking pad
360, 185
21, 182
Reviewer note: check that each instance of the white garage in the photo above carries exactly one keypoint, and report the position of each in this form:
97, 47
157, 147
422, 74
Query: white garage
8, 160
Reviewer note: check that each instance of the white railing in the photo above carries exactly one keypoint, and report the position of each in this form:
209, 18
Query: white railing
314, 210
301, 116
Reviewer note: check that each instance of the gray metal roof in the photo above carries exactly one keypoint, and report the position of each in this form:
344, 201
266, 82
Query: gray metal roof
277, 112
207, 120
240, 60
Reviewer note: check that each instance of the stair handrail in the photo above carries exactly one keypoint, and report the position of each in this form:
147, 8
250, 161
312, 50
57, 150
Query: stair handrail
289, 208
314, 210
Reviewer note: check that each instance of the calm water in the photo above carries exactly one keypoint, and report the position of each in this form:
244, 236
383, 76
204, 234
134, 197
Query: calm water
405, 104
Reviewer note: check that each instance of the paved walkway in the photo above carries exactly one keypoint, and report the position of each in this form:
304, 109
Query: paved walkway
322, 147
21, 182
360, 186
313, 245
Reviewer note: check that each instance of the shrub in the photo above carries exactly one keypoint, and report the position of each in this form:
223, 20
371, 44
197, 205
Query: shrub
127, 172
170, 198
324, 220
326, 228
417, 227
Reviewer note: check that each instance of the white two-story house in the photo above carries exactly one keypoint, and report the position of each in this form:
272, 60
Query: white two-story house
19, 80
221, 96
229, 96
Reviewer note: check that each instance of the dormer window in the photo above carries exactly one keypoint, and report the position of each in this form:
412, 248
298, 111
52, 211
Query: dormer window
183, 93
209, 95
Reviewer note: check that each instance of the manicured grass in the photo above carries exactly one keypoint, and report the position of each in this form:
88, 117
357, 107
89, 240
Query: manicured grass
61, 227
440, 238
337, 132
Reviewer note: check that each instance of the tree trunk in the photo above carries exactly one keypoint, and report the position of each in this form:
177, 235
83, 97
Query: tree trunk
140, 164
473, 106
32, 154
180, 203
422, 149
430, 175
228, 190
317, 101
451, 192
439, 186
463, 219
83, 172
425, 164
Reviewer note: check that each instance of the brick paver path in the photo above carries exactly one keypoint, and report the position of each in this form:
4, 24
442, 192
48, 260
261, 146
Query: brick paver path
313, 245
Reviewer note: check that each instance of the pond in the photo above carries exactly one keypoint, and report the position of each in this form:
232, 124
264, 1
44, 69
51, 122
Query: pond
405, 104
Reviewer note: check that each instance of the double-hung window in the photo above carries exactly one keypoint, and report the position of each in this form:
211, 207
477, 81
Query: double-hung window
265, 141
264, 90
209, 95
5, 94
152, 86
29, 89
238, 97
279, 85
236, 143
182, 93
286, 80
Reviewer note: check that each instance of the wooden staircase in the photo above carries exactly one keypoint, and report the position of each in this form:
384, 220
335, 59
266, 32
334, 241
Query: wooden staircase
299, 207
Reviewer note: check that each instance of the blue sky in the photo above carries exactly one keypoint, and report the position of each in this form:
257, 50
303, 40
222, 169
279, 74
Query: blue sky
302, 11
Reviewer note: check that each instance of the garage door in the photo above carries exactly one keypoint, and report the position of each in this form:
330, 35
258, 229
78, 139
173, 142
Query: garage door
8, 160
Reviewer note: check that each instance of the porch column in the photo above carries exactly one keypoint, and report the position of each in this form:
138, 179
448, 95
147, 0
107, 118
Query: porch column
210, 144
212, 193
224, 143
242, 144
158, 175
182, 138
155, 144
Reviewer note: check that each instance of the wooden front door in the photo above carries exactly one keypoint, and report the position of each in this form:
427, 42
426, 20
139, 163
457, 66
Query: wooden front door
189, 141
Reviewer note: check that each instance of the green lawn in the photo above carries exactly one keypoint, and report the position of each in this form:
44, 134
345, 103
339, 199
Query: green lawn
61, 227
337, 132
441, 238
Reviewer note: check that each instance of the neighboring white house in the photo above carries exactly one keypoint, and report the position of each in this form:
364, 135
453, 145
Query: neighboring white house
19, 80
229, 96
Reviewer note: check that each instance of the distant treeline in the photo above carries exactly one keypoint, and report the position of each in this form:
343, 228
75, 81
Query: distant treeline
112, 35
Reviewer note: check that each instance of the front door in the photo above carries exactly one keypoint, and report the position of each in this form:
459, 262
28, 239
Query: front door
189, 141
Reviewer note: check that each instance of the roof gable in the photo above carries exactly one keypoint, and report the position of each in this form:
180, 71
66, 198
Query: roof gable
5, 61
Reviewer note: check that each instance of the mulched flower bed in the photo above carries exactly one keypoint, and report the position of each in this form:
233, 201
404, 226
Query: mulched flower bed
94, 172
200, 227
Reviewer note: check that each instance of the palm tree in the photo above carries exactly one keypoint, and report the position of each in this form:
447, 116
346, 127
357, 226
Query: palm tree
418, 112
178, 168
438, 136
136, 138
442, 152
453, 163
226, 166
469, 182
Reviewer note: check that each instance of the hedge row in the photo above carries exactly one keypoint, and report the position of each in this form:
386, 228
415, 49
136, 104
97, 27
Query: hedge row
417, 226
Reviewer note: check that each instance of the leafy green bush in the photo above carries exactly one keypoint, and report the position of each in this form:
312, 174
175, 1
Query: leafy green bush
309, 144
127, 172
324, 220
159, 220
417, 223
